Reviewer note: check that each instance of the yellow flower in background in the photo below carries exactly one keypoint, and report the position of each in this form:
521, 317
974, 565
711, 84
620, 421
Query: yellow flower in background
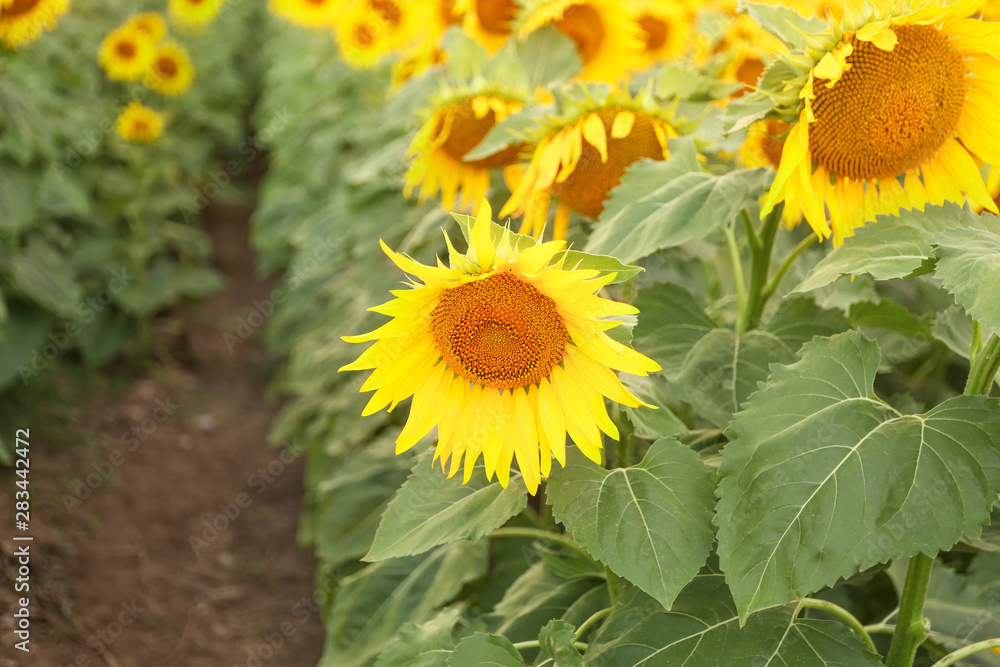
369, 30
438, 150
426, 51
605, 32
894, 115
150, 24
126, 54
580, 159
170, 73
194, 15
505, 351
665, 26
313, 14
139, 123
489, 22
24, 21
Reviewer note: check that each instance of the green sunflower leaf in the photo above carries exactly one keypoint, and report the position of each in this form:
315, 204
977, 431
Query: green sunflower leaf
969, 267
483, 650
372, 604
650, 523
712, 367
823, 479
894, 247
702, 629
890, 316
784, 23
664, 204
432, 509
574, 259
511, 130
425, 645
556, 640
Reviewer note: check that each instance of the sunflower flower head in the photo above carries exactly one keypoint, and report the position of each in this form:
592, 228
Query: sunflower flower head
608, 38
665, 28
194, 15
505, 351
313, 14
888, 110
139, 124
459, 122
580, 157
24, 21
369, 30
150, 24
126, 54
170, 73
489, 22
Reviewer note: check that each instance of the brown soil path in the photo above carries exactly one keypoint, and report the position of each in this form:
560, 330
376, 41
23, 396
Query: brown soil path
183, 553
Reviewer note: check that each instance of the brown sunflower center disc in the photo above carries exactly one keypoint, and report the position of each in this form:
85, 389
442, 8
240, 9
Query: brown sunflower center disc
499, 331
166, 67
495, 16
20, 7
584, 26
891, 109
467, 131
586, 189
771, 144
125, 49
387, 11
364, 35
656, 30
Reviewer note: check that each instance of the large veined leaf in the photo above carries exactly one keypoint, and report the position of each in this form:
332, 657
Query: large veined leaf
650, 523
432, 509
425, 645
969, 267
483, 650
703, 629
784, 23
372, 604
686, 203
712, 367
961, 610
823, 479
894, 247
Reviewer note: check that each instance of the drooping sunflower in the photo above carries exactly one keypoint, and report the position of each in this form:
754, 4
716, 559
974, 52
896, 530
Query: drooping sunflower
894, 113
505, 351
126, 53
150, 24
170, 73
665, 28
582, 156
194, 15
24, 21
489, 22
139, 123
369, 30
313, 14
459, 122
607, 37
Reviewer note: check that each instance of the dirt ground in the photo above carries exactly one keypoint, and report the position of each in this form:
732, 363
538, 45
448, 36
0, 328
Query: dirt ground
164, 525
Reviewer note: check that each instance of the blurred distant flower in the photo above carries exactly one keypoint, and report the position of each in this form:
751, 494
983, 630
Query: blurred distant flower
193, 15
24, 21
171, 71
139, 123
126, 53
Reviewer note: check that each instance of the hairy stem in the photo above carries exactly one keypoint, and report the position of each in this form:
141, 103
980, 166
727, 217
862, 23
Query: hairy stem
760, 265
911, 629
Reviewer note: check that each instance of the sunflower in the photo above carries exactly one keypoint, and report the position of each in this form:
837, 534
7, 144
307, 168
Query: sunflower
415, 62
665, 28
139, 123
579, 159
194, 15
171, 71
313, 14
894, 113
505, 352
24, 21
489, 22
457, 125
126, 53
369, 30
150, 24
607, 37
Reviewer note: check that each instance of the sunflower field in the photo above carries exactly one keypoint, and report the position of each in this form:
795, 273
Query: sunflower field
613, 332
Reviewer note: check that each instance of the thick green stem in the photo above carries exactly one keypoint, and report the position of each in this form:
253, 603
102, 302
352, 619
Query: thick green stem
760, 265
966, 651
737, 262
911, 629
984, 367
589, 623
539, 534
534, 643
841, 613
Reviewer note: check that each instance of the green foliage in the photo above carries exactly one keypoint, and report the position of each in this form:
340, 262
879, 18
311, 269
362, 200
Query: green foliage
969, 266
808, 493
